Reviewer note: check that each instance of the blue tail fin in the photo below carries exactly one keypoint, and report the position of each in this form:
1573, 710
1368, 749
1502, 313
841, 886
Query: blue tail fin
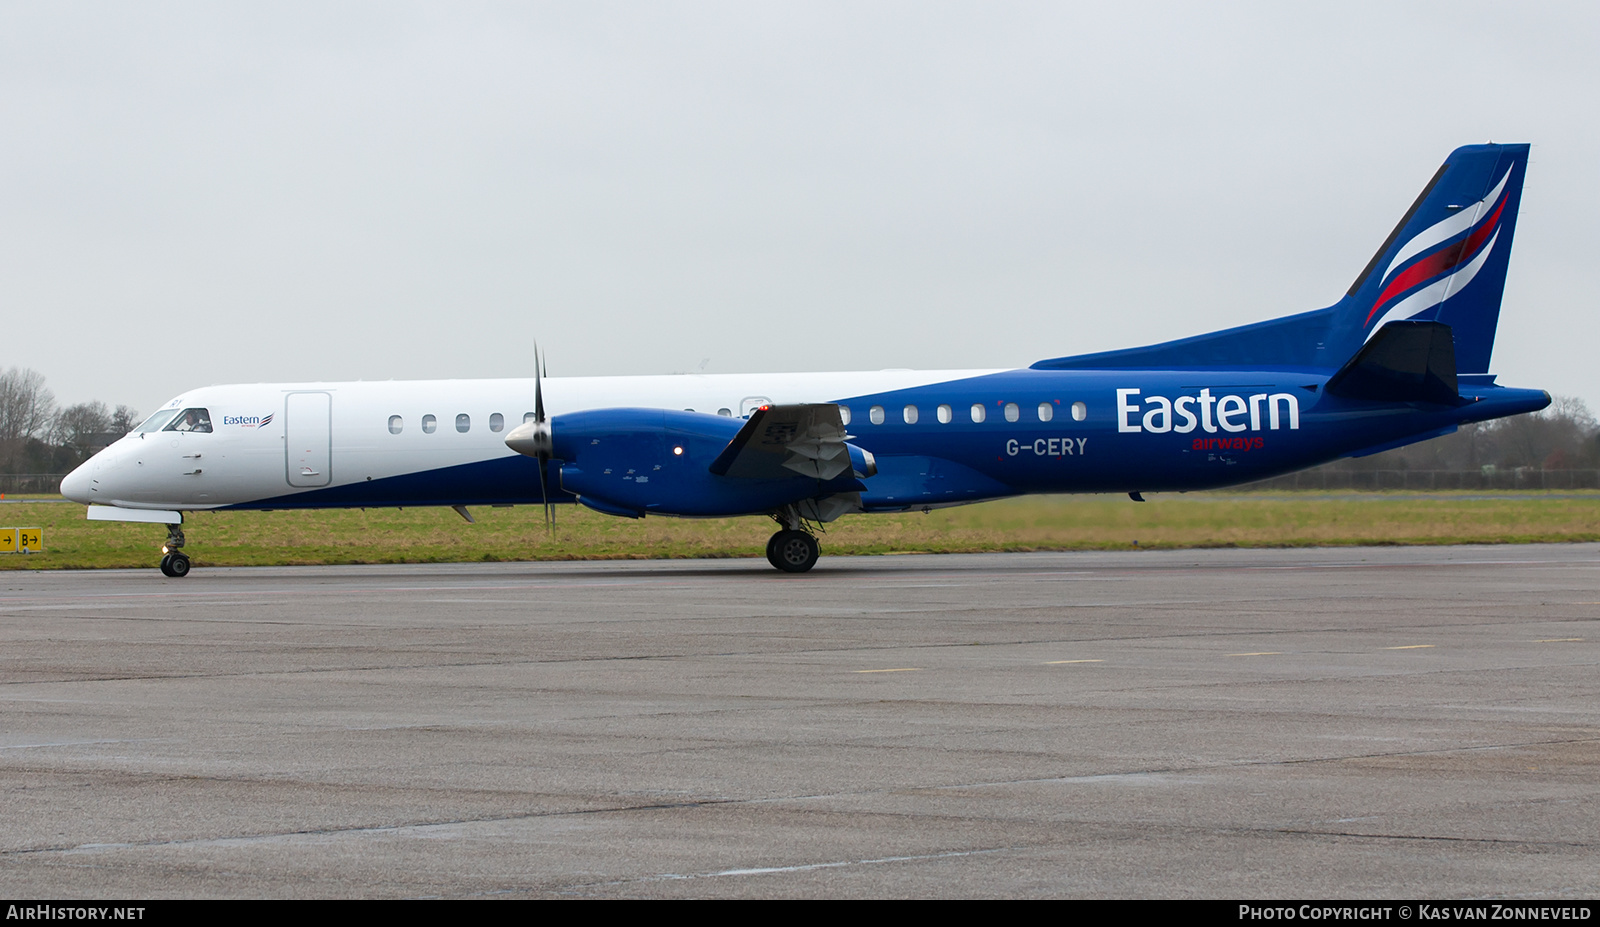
1445, 262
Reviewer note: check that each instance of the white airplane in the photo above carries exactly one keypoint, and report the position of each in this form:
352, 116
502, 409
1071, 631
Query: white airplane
1402, 357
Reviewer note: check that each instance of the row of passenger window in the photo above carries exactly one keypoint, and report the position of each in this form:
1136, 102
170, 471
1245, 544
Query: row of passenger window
430, 423
978, 413
909, 413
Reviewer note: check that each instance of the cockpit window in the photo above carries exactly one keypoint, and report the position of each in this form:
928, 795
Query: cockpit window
154, 422
195, 420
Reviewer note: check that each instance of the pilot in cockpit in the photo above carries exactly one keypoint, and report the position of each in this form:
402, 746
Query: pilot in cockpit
196, 420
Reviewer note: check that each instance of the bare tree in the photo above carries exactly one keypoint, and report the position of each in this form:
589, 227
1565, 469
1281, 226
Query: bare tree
123, 418
81, 426
27, 407
1555, 438
1562, 436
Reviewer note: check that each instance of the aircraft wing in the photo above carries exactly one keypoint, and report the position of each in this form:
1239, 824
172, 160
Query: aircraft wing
779, 441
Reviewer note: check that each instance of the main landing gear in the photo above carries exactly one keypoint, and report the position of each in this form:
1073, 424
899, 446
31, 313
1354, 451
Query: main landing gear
173, 561
793, 549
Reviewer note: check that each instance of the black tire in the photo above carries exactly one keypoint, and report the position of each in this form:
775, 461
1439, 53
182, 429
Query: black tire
177, 566
793, 551
166, 565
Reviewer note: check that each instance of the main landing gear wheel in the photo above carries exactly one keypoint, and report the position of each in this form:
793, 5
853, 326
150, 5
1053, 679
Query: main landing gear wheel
792, 551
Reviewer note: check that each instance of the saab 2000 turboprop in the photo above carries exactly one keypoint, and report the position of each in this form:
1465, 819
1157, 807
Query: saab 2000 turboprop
1403, 356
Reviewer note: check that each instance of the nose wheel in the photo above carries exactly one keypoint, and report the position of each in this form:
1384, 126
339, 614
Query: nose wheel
792, 551
173, 561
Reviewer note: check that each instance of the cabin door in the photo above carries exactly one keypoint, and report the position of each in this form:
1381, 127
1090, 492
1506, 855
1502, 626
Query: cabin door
308, 438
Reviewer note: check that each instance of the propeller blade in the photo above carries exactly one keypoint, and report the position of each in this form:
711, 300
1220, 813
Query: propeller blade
541, 443
538, 387
544, 499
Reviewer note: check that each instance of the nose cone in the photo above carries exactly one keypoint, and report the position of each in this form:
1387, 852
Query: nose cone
75, 485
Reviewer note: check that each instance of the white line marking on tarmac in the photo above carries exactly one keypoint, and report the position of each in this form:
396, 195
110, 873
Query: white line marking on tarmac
807, 867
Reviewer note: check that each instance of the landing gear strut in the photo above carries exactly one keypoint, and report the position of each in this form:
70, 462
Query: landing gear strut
173, 561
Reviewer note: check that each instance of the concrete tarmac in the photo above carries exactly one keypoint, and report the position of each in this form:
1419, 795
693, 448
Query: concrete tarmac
1391, 722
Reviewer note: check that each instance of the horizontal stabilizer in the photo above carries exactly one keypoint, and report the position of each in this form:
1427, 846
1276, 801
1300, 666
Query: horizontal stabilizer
780, 441
1403, 362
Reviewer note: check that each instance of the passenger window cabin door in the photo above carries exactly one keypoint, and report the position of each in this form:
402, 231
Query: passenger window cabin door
308, 438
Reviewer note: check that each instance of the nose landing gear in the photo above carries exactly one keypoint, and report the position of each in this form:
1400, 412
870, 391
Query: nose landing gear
173, 561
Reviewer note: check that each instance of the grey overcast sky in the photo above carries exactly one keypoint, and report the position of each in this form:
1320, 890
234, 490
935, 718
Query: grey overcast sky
195, 193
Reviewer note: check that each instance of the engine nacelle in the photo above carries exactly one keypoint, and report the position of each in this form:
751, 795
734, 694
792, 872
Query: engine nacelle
634, 462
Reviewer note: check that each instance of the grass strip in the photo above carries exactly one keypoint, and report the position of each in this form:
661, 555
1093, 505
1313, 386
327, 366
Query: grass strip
437, 535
